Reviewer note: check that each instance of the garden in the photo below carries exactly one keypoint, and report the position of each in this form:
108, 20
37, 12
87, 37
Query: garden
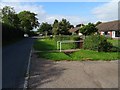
95, 47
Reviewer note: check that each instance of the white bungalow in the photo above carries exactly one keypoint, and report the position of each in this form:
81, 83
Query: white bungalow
110, 29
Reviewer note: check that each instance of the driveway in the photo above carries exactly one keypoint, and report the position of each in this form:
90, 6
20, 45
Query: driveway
14, 63
73, 74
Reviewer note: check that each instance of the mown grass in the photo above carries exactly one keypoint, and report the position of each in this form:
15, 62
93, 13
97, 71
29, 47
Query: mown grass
57, 56
51, 44
81, 55
47, 44
114, 42
44, 45
93, 55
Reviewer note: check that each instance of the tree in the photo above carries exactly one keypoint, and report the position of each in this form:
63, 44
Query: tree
9, 16
98, 23
55, 27
64, 26
10, 24
79, 25
88, 29
45, 28
28, 21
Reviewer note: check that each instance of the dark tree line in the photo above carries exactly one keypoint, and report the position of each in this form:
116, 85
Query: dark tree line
14, 25
57, 28
10, 33
62, 28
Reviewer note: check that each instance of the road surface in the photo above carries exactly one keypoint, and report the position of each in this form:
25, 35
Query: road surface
14, 63
73, 74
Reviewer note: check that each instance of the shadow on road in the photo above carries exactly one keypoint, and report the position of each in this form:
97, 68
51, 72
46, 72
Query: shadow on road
43, 71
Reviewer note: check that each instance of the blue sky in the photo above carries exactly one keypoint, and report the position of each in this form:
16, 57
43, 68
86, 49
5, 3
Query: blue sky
75, 12
70, 8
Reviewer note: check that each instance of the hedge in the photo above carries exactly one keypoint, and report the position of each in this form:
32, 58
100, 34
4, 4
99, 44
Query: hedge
97, 43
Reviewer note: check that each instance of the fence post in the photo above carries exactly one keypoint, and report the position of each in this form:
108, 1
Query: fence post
60, 46
57, 45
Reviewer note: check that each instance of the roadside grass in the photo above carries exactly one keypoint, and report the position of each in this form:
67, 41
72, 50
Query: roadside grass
56, 56
93, 55
49, 44
81, 55
44, 45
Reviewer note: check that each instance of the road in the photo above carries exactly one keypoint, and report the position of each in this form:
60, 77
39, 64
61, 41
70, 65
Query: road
73, 74
14, 63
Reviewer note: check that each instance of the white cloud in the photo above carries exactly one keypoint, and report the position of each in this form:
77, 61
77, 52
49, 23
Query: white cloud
55, 0
72, 19
43, 16
38, 9
107, 12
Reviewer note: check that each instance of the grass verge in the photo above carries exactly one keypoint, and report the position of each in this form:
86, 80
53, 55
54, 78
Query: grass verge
46, 44
81, 55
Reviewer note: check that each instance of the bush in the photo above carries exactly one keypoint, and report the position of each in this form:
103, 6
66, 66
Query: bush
97, 43
105, 46
115, 49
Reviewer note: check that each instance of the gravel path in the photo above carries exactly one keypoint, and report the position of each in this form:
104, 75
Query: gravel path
73, 74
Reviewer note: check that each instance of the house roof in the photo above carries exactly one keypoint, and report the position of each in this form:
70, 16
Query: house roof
109, 26
74, 29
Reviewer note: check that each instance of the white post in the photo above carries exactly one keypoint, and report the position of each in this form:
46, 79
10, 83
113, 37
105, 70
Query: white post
57, 45
60, 46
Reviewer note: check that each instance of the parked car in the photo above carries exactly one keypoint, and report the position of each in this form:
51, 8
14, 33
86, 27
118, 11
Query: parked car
26, 35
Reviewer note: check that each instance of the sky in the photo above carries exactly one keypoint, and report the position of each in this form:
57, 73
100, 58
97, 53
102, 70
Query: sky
74, 12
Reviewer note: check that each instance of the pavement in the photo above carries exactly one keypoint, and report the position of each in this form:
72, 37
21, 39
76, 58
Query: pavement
14, 63
72, 74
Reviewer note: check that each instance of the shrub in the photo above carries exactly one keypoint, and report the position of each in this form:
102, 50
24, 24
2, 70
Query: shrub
105, 46
115, 49
97, 43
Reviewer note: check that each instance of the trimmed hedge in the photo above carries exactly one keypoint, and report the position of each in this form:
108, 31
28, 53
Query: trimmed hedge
97, 43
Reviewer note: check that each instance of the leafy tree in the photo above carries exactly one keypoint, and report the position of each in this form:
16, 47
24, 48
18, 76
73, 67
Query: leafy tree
45, 28
28, 21
79, 25
9, 16
98, 23
71, 26
55, 28
88, 29
10, 25
64, 26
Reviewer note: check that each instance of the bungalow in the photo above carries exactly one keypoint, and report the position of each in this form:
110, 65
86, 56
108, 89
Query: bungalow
110, 29
76, 30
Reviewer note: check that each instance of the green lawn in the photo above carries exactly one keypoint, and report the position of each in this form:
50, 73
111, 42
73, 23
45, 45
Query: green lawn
51, 44
114, 42
47, 44
44, 45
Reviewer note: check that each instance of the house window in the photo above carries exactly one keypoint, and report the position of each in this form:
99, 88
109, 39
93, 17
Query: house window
106, 33
117, 33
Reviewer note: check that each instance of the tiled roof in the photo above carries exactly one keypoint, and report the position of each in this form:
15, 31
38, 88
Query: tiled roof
74, 29
109, 26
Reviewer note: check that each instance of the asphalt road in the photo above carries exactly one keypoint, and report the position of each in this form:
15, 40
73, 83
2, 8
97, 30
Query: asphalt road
73, 74
14, 63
